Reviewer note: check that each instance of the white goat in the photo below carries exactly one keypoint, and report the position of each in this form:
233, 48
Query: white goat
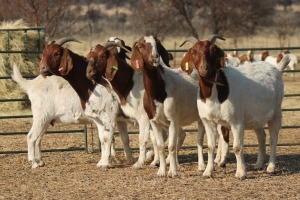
241, 98
293, 61
53, 100
169, 99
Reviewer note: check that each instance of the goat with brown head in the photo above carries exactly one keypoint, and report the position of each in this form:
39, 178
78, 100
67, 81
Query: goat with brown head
144, 52
60, 61
208, 59
205, 56
56, 60
106, 61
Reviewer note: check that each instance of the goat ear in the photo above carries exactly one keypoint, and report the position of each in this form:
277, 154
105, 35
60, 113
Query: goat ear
187, 64
136, 58
163, 53
221, 55
111, 67
66, 63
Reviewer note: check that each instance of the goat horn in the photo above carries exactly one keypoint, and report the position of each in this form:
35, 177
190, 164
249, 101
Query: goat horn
110, 44
67, 39
189, 39
214, 37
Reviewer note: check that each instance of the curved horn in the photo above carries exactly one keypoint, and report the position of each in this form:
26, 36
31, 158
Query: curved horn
193, 40
214, 37
110, 44
67, 39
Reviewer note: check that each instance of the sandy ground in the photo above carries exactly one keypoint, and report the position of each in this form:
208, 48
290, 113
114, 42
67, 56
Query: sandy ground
74, 175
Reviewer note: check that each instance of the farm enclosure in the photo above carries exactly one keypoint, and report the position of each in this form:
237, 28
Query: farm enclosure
70, 175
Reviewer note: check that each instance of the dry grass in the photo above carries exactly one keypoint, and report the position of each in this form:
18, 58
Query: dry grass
27, 62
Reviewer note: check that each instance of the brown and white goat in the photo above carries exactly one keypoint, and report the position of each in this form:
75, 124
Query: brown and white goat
128, 84
96, 101
169, 99
247, 97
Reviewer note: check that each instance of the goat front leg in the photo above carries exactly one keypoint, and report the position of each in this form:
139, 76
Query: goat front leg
238, 142
122, 127
200, 136
158, 133
211, 132
105, 137
144, 129
172, 147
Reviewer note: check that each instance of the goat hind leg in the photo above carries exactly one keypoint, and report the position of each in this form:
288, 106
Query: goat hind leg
261, 138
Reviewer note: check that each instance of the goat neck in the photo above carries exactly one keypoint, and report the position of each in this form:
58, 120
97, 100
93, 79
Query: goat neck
146, 58
76, 77
120, 75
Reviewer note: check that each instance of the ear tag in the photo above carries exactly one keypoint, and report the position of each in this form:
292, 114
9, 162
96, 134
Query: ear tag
115, 67
137, 64
187, 66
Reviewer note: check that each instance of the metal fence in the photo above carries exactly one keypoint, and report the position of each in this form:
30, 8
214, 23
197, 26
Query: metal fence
84, 128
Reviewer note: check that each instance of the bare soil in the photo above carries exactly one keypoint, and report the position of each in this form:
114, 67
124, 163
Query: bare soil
74, 175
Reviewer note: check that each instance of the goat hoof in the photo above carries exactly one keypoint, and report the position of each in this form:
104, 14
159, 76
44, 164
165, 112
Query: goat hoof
103, 166
241, 176
207, 174
172, 174
161, 173
34, 165
41, 163
271, 168
137, 165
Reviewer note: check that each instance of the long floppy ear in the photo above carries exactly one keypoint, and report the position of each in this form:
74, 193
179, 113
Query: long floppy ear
136, 59
187, 64
66, 63
219, 55
163, 53
111, 66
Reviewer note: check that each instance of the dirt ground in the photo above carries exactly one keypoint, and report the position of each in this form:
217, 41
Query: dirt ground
74, 175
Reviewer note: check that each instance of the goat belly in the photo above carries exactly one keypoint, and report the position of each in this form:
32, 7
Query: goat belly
102, 106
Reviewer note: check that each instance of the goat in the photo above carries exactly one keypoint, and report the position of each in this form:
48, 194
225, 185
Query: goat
98, 104
53, 100
293, 60
238, 98
257, 57
169, 99
105, 61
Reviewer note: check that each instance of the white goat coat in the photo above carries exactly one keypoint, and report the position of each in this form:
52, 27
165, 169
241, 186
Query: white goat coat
255, 97
53, 98
178, 109
256, 86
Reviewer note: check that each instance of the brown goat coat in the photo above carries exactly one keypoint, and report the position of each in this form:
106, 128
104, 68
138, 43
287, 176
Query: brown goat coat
70, 66
153, 82
121, 78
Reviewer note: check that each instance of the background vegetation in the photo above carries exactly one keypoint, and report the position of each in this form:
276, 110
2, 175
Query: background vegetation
235, 19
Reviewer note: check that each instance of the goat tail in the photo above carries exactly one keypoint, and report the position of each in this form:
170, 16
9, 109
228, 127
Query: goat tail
17, 77
283, 63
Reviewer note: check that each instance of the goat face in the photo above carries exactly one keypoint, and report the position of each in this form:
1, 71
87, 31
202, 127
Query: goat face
96, 62
148, 50
206, 57
102, 62
55, 60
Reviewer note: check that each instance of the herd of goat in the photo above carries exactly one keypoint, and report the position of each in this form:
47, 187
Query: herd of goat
106, 89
